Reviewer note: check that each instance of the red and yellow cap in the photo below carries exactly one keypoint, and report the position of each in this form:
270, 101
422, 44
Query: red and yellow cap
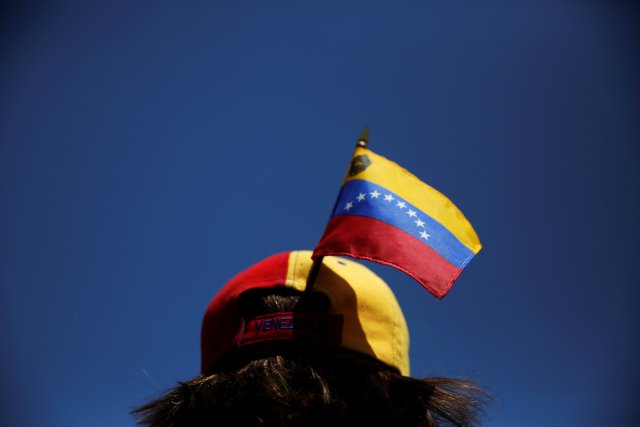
364, 315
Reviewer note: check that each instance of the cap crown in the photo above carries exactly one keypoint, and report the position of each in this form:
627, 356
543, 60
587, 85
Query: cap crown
373, 321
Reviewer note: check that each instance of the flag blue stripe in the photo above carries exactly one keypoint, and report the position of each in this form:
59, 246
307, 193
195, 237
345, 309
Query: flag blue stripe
357, 197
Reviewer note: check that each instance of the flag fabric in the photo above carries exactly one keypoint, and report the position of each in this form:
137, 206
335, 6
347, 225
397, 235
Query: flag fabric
387, 215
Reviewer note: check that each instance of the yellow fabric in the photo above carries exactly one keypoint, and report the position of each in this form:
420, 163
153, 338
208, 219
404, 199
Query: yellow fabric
395, 178
373, 320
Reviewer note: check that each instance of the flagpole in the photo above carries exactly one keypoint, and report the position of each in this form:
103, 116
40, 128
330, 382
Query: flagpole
363, 141
364, 138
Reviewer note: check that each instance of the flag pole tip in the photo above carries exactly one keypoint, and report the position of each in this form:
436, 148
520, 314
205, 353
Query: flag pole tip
363, 140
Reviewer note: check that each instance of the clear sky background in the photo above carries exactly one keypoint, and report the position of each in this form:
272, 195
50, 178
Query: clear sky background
151, 150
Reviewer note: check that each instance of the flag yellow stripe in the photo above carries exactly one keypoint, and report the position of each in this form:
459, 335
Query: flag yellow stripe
394, 177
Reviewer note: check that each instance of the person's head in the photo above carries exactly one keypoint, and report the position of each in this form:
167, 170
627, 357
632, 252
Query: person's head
275, 355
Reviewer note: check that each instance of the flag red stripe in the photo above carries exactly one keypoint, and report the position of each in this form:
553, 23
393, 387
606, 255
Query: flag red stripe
373, 240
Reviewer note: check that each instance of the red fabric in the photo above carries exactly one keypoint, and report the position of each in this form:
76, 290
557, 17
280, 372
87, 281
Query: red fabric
373, 240
222, 324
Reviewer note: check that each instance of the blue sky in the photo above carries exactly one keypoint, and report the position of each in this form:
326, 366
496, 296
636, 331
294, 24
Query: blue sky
151, 150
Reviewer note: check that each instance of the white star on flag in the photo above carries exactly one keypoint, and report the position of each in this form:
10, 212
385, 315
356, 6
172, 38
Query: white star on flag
348, 206
419, 223
425, 235
411, 213
389, 197
361, 197
401, 205
375, 194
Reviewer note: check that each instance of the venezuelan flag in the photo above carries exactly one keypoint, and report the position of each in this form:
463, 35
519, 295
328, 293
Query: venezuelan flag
386, 215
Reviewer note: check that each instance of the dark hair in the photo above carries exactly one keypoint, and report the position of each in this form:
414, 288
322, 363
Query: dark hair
296, 385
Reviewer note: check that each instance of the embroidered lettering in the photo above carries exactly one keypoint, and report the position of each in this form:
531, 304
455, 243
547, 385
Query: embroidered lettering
314, 327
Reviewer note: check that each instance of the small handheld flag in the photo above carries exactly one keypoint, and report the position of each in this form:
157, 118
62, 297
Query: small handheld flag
387, 215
